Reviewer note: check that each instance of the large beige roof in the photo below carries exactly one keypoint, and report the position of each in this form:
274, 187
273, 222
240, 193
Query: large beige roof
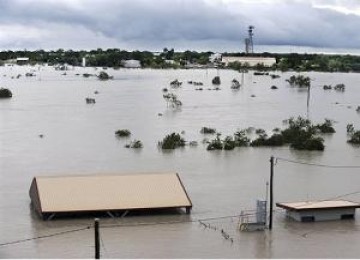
111, 192
324, 204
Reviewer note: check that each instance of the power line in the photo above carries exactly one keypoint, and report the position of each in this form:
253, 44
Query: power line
176, 222
45, 236
120, 225
319, 165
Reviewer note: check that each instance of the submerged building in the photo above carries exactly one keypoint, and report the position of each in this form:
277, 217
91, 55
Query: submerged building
110, 194
310, 211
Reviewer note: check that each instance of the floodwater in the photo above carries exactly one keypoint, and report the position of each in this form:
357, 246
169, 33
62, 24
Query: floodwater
78, 138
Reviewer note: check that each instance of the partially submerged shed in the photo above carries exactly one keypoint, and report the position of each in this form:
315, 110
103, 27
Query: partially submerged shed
107, 193
310, 211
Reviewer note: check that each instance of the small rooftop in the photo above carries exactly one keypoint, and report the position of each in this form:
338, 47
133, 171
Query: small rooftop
323, 204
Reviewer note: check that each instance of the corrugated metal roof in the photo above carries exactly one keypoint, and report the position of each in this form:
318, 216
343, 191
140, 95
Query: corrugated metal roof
111, 192
303, 205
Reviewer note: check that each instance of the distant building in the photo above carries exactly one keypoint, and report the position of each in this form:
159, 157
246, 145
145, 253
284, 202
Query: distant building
309, 211
22, 61
83, 62
215, 57
131, 63
249, 61
172, 62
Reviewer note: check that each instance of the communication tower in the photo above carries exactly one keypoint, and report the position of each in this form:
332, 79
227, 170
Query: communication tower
249, 45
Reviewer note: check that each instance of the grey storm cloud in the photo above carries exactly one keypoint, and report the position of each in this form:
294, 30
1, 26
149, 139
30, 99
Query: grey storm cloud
157, 23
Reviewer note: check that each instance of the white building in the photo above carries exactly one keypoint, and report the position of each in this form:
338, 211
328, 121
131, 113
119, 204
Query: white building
215, 57
249, 61
309, 211
21, 61
83, 62
131, 63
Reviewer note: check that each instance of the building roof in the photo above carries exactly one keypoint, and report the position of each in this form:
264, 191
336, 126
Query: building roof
324, 204
22, 59
108, 192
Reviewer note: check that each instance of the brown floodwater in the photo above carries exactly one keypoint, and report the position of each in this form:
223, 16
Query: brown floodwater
78, 138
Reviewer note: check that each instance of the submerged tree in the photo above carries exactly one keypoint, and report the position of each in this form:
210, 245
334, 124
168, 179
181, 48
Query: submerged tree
172, 141
215, 144
207, 130
172, 100
136, 144
5, 93
326, 127
299, 81
216, 80
123, 133
104, 76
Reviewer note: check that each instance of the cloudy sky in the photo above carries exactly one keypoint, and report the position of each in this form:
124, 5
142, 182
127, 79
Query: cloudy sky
216, 25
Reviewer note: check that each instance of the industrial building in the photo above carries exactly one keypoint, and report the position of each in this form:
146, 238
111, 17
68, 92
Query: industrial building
111, 194
249, 61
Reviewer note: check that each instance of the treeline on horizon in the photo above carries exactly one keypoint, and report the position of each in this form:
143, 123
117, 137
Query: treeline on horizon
113, 58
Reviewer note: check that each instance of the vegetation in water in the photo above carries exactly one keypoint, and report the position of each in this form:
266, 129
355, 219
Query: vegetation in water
5, 93
172, 100
104, 76
299, 81
340, 87
326, 127
215, 144
172, 141
208, 130
123, 133
241, 139
354, 137
300, 134
350, 128
136, 144
216, 80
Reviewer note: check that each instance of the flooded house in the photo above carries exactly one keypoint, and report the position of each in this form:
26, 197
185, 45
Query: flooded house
310, 211
114, 195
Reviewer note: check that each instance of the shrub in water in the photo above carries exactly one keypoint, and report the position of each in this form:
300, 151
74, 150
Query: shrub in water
326, 127
229, 143
215, 144
241, 139
104, 76
216, 80
354, 137
136, 144
5, 93
123, 133
172, 141
207, 130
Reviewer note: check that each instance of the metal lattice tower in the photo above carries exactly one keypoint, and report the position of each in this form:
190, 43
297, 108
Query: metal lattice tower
249, 45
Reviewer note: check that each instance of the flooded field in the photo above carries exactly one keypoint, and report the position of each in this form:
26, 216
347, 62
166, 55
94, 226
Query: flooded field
78, 138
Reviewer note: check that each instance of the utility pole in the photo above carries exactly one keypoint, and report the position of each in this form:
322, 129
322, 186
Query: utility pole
308, 103
97, 241
271, 191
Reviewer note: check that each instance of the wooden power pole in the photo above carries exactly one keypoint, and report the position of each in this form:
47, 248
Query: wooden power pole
271, 191
97, 239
